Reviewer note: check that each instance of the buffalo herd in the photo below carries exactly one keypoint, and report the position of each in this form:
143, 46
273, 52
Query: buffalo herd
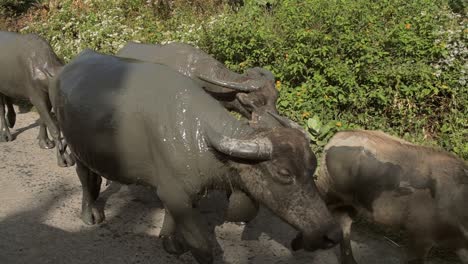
161, 116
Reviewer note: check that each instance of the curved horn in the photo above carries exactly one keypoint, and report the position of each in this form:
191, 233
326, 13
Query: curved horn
289, 123
253, 149
248, 86
262, 72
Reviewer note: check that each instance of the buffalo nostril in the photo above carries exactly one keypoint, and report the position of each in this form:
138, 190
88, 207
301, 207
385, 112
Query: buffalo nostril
334, 235
297, 242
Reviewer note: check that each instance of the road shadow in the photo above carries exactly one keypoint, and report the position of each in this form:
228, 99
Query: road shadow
23, 129
25, 238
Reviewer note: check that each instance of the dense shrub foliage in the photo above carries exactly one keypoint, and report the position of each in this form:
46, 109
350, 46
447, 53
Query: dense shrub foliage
399, 66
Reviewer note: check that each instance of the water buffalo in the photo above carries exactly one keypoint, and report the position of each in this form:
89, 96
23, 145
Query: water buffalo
238, 92
27, 63
137, 122
395, 183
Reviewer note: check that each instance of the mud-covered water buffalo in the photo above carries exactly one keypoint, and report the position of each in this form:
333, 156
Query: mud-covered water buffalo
137, 122
27, 63
238, 92
395, 183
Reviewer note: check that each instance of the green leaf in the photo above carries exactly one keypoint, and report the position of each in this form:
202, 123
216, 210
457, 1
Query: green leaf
315, 124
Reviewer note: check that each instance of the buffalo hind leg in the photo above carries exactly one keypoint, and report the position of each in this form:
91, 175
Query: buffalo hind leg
11, 115
91, 185
42, 104
44, 141
345, 221
5, 135
188, 221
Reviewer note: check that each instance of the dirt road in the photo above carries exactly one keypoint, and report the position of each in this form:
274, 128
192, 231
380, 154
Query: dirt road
39, 223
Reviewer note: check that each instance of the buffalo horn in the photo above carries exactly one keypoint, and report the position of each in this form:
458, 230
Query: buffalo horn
259, 148
248, 86
286, 122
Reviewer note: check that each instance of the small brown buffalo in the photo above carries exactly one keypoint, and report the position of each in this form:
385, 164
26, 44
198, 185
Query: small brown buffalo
392, 182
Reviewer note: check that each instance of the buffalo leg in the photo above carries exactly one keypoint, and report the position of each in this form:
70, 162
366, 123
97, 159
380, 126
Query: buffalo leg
91, 185
171, 242
463, 255
417, 249
241, 208
44, 141
5, 134
11, 115
42, 104
345, 222
188, 220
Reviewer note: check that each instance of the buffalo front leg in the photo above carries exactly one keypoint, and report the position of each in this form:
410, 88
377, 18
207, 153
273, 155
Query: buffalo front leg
241, 208
345, 222
172, 243
91, 185
417, 249
188, 222
462, 254
11, 114
5, 135
42, 104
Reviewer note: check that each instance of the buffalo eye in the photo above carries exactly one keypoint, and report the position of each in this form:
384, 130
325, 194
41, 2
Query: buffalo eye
283, 177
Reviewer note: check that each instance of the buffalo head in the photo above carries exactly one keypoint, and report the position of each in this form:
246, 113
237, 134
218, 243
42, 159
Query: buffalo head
275, 167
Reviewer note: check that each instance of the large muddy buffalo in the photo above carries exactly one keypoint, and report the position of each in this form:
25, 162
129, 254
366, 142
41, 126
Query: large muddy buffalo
395, 183
238, 92
137, 122
27, 63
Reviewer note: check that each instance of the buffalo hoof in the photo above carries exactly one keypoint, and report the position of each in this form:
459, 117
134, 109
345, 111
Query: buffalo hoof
46, 143
348, 260
6, 136
415, 261
203, 258
296, 244
65, 160
11, 119
93, 216
173, 246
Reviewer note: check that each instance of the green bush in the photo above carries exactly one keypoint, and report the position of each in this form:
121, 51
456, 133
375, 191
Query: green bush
399, 66
16, 7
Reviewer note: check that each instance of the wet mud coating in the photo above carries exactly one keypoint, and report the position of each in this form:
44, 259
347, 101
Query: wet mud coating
27, 63
137, 122
396, 184
237, 92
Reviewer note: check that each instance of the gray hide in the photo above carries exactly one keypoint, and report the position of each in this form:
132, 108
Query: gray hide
237, 92
136, 122
27, 62
251, 94
395, 183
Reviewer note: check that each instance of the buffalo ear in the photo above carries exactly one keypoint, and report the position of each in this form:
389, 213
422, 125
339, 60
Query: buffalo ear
37, 73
